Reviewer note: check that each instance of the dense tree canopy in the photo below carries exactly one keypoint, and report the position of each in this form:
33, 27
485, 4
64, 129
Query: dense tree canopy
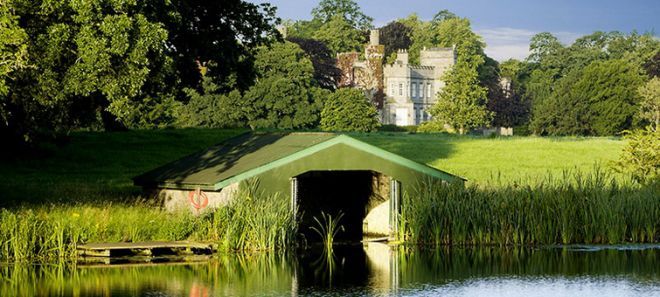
348, 10
340, 36
326, 72
285, 95
349, 109
650, 103
599, 100
395, 36
220, 33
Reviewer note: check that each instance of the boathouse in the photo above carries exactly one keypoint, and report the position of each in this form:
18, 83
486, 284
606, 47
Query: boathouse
315, 171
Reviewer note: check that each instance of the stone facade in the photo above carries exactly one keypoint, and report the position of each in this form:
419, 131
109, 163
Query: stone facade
410, 89
402, 92
365, 74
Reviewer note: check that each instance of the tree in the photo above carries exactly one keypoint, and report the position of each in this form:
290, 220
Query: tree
89, 60
222, 33
652, 66
601, 99
285, 95
348, 109
462, 102
210, 108
650, 103
340, 36
13, 49
348, 10
506, 100
641, 156
326, 73
395, 36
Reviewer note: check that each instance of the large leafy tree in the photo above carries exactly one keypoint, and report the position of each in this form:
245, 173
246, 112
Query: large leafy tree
285, 95
326, 72
13, 47
348, 109
340, 36
88, 59
462, 102
395, 36
601, 99
219, 35
505, 100
348, 10
650, 102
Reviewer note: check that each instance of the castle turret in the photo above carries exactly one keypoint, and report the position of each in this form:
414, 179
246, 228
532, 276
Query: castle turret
374, 37
402, 57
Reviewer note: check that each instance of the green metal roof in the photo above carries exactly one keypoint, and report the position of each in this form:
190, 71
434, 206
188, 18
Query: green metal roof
250, 154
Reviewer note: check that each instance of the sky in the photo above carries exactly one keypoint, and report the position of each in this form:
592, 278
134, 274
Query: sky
507, 25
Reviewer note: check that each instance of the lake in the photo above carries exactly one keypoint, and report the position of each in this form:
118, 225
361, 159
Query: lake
373, 269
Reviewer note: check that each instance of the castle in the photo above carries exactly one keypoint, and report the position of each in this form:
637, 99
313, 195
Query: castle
402, 92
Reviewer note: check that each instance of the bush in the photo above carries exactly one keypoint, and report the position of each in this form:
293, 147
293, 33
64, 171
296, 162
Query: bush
641, 156
349, 110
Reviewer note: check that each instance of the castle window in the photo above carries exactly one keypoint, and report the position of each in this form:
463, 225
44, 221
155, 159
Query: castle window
417, 92
428, 90
414, 90
400, 89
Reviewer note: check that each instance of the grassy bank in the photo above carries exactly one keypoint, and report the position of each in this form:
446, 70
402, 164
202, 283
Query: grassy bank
571, 208
495, 161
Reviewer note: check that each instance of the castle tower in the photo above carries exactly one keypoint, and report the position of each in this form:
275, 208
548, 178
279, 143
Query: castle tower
402, 57
374, 37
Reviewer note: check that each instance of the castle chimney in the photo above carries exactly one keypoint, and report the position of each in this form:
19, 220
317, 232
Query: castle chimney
374, 37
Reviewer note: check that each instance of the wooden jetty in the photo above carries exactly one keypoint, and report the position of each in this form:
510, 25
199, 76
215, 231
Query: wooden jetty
147, 248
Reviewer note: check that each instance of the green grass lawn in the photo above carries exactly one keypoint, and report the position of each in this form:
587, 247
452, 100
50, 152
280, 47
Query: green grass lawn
485, 160
95, 166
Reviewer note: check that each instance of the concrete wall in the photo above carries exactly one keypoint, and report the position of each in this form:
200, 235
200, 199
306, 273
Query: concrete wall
196, 201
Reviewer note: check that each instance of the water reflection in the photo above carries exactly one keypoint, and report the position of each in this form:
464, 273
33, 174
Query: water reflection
376, 269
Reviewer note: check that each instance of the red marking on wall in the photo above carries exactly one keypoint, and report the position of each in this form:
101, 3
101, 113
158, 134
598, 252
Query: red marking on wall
198, 199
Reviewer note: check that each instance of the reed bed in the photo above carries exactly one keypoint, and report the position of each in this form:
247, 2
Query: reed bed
252, 222
586, 208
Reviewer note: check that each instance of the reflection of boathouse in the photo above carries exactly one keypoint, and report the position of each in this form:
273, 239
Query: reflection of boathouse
316, 171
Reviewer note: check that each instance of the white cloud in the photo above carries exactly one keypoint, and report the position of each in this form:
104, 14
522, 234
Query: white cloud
505, 43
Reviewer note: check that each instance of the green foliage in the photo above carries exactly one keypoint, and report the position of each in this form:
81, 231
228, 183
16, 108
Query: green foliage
348, 10
328, 229
285, 95
573, 208
462, 102
349, 110
650, 103
326, 73
559, 107
395, 36
13, 49
601, 99
641, 156
210, 109
340, 36
221, 35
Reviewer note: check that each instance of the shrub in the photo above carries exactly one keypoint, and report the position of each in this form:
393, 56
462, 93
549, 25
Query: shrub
641, 156
349, 110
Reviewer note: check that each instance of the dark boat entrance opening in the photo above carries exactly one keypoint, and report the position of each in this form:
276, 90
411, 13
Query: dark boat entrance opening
362, 196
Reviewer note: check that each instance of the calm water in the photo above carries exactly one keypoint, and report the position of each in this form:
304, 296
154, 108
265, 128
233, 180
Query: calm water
364, 271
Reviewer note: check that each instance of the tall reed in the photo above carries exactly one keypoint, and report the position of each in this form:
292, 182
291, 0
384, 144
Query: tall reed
253, 221
574, 208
